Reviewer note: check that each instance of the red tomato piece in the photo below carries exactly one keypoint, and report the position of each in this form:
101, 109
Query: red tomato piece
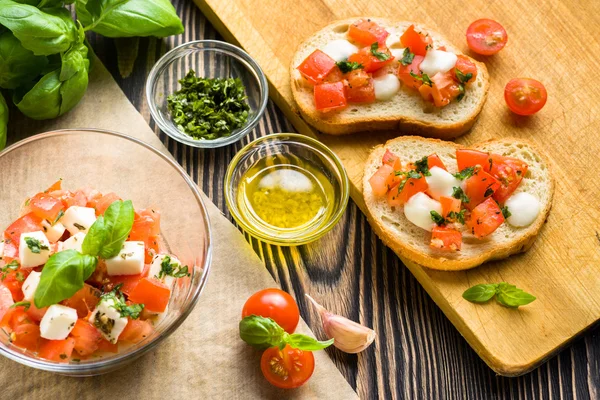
466, 66
525, 96
367, 32
129, 282
152, 293
57, 350
360, 87
55, 186
36, 314
27, 223
442, 91
87, 337
26, 336
136, 331
369, 61
400, 193
14, 282
276, 304
108, 347
434, 161
510, 172
486, 37
287, 368
485, 218
84, 300
45, 206
146, 223
77, 198
151, 249
379, 180
445, 239
470, 158
330, 96
389, 158
316, 66
480, 186
449, 204
404, 73
417, 42
104, 202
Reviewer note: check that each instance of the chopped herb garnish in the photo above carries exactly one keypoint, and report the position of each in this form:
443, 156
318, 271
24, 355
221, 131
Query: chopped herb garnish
465, 173
20, 277
407, 57
424, 78
422, 166
457, 216
25, 304
410, 174
63, 356
133, 311
463, 78
378, 54
347, 66
437, 218
488, 192
168, 268
461, 92
35, 245
61, 213
505, 212
11, 266
458, 193
79, 226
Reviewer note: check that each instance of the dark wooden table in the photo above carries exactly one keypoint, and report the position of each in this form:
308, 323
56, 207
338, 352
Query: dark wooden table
417, 353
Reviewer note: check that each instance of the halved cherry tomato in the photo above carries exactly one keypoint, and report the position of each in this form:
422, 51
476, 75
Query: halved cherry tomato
466, 66
45, 206
360, 87
87, 337
104, 202
400, 193
485, 218
276, 304
479, 187
367, 32
316, 66
486, 37
379, 180
510, 172
404, 72
449, 204
84, 300
57, 350
469, 158
434, 161
525, 96
136, 330
443, 89
417, 42
287, 368
152, 293
369, 61
330, 96
445, 239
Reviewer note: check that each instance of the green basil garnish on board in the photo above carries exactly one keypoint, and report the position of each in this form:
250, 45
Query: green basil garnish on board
17, 64
424, 78
506, 294
463, 78
62, 276
381, 56
263, 333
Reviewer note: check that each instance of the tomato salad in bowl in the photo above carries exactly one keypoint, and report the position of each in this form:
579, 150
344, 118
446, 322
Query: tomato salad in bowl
83, 275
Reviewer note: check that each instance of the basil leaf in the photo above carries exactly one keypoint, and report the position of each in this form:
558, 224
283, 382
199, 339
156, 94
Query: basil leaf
261, 332
422, 166
118, 221
381, 56
75, 59
62, 276
3, 121
407, 57
347, 66
424, 78
480, 293
462, 77
129, 18
43, 33
92, 243
457, 216
17, 64
23, 303
458, 193
505, 212
510, 296
437, 218
303, 342
465, 173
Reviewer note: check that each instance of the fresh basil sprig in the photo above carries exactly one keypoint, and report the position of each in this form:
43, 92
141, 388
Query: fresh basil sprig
62, 276
107, 235
17, 64
263, 333
506, 294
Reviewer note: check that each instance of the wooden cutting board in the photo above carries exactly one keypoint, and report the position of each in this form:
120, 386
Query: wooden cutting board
553, 42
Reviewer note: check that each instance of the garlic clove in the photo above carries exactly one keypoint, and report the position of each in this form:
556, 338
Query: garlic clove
349, 336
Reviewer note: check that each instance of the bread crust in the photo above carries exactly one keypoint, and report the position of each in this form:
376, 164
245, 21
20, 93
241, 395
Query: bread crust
334, 124
501, 250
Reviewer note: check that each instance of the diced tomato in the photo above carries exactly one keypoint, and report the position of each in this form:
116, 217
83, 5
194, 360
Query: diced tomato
417, 42
26, 336
55, 186
360, 87
445, 239
510, 172
27, 223
129, 282
87, 337
335, 75
77, 198
105, 201
136, 330
400, 193
404, 73
485, 218
146, 223
6, 300
151, 249
369, 61
469, 158
14, 282
434, 161
84, 300
152, 293
11, 249
330, 96
479, 187
466, 66
108, 347
57, 350
14, 317
45, 206
367, 32
449, 204
36, 314
442, 91
379, 180
316, 66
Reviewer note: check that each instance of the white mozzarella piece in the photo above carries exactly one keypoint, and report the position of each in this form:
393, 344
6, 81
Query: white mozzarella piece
30, 285
26, 255
53, 232
156, 267
78, 219
129, 261
58, 322
73, 243
339, 49
397, 53
108, 320
441, 183
386, 86
418, 210
438, 61
524, 209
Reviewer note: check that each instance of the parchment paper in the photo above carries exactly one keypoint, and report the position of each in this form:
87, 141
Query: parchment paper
204, 358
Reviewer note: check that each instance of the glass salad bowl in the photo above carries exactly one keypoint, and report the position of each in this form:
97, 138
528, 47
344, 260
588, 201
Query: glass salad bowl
112, 162
209, 59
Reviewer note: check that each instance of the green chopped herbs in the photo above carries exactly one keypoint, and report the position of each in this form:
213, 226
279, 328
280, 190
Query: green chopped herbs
126, 310
381, 56
437, 218
407, 57
463, 78
23, 303
465, 173
458, 193
35, 245
424, 78
169, 268
208, 108
11, 266
347, 66
457, 216
505, 212
422, 166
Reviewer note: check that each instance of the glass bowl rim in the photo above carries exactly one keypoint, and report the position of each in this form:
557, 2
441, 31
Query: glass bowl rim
237, 53
314, 145
119, 360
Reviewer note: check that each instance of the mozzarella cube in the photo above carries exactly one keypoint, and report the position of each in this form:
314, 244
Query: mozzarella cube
107, 319
441, 183
53, 232
73, 243
156, 267
524, 209
129, 261
398, 52
418, 210
30, 285
339, 49
386, 86
58, 322
38, 253
78, 219
437, 61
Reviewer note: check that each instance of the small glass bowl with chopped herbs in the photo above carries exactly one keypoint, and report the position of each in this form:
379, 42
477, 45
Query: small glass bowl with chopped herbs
207, 93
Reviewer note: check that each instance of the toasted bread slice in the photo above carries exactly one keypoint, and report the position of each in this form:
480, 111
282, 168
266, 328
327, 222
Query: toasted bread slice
412, 242
406, 111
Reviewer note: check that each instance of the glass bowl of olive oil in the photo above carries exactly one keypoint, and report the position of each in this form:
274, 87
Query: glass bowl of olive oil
286, 189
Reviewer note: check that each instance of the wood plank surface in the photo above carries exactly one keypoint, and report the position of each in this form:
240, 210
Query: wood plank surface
418, 354
563, 267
